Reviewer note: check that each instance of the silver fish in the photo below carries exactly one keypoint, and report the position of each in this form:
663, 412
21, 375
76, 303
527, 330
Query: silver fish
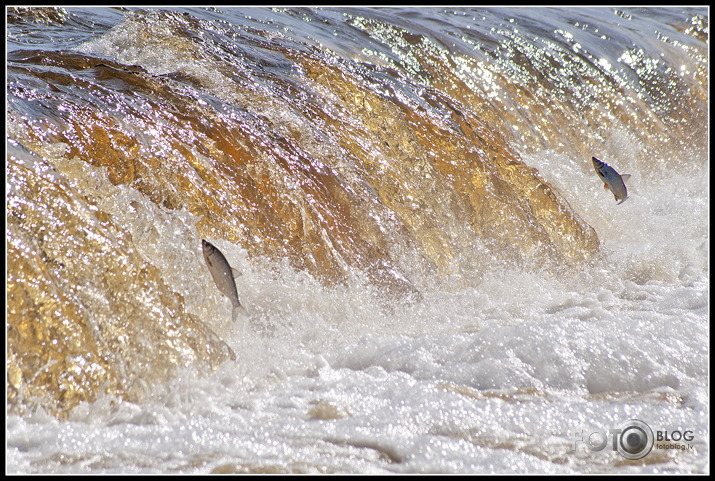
223, 275
612, 180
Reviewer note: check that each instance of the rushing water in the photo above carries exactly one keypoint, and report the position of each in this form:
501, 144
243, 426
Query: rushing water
434, 277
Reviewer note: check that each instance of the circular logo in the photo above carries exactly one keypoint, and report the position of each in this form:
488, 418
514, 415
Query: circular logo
635, 440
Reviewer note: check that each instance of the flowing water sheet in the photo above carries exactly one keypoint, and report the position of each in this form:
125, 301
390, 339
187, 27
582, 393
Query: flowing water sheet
434, 278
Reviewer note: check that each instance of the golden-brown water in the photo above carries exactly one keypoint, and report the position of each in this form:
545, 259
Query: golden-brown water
387, 144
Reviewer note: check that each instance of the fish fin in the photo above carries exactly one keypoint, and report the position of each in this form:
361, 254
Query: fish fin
605, 186
625, 177
235, 273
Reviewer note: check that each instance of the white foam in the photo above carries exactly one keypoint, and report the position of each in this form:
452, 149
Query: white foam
495, 376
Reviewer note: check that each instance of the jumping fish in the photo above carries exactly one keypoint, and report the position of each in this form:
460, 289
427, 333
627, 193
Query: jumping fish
223, 275
612, 180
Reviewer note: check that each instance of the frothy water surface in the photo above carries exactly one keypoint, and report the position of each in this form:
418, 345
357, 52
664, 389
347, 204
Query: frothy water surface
435, 279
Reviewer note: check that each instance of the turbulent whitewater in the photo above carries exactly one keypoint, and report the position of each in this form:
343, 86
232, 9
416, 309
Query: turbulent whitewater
433, 276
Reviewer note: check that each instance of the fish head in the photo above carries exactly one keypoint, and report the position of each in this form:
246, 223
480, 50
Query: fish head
599, 166
208, 250
207, 246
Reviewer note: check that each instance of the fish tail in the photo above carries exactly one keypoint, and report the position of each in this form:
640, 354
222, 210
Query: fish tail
238, 313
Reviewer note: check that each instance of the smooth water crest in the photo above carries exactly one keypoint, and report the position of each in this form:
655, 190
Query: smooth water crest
434, 278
